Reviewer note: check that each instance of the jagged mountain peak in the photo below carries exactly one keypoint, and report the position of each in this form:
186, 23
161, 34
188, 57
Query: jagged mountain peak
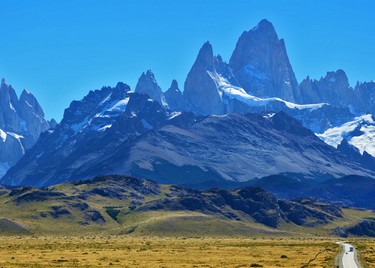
174, 84
122, 86
7, 88
333, 88
174, 98
21, 122
25, 92
265, 27
338, 76
31, 101
173, 88
148, 85
199, 86
261, 64
146, 77
261, 37
205, 57
52, 123
97, 109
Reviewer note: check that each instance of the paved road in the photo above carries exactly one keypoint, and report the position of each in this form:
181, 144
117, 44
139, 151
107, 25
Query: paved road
348, 259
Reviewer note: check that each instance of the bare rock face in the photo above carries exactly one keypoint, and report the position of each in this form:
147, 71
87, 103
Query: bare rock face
21, 122
200, 89
175, 99
8, 107
33, 117
147, 85
334, 89
52, 123
261, 64
364, 97
11, 149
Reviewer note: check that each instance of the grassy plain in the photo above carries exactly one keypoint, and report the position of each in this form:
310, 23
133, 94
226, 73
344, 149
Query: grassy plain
128, 251
366, 249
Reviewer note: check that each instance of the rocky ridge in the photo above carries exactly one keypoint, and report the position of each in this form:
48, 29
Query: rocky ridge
21, 122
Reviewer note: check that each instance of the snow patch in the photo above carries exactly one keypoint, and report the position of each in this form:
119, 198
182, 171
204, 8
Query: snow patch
268, 116
105, 127
241, 95
174, 115
360, 133
133, 114
28, 104
146, 125
15, 135
77, 127
219, 115
105, 99
119, 106
116, 106
11, 107
3, 135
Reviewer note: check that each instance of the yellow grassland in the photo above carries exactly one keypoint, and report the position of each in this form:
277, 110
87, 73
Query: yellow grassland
366, 250
128, 251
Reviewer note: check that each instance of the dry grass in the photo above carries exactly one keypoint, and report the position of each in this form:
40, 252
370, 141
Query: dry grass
366, 249
125, 251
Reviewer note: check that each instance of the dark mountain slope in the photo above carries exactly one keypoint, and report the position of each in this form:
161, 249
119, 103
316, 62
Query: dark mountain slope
144, 139
120, 204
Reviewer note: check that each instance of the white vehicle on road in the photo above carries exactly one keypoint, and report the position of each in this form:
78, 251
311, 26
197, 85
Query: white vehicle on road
349, 258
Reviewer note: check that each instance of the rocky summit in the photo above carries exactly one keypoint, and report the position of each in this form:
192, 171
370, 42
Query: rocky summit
200, 89
147, 85
21, 122
261, 64
175, 99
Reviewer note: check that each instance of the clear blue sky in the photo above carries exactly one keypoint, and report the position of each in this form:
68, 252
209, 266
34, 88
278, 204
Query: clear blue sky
59, 50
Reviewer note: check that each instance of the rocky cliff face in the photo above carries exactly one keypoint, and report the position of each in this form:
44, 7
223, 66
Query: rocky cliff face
200, 89
364, 101
175, 99
334, 89
147, 85
21, 122
261, 64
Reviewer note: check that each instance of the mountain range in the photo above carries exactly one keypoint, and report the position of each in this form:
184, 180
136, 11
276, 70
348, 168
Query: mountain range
21, 122
233, 122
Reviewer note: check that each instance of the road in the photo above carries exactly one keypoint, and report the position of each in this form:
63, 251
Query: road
348, 259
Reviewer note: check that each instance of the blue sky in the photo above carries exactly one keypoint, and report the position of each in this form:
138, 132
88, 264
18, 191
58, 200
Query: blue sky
60, 50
